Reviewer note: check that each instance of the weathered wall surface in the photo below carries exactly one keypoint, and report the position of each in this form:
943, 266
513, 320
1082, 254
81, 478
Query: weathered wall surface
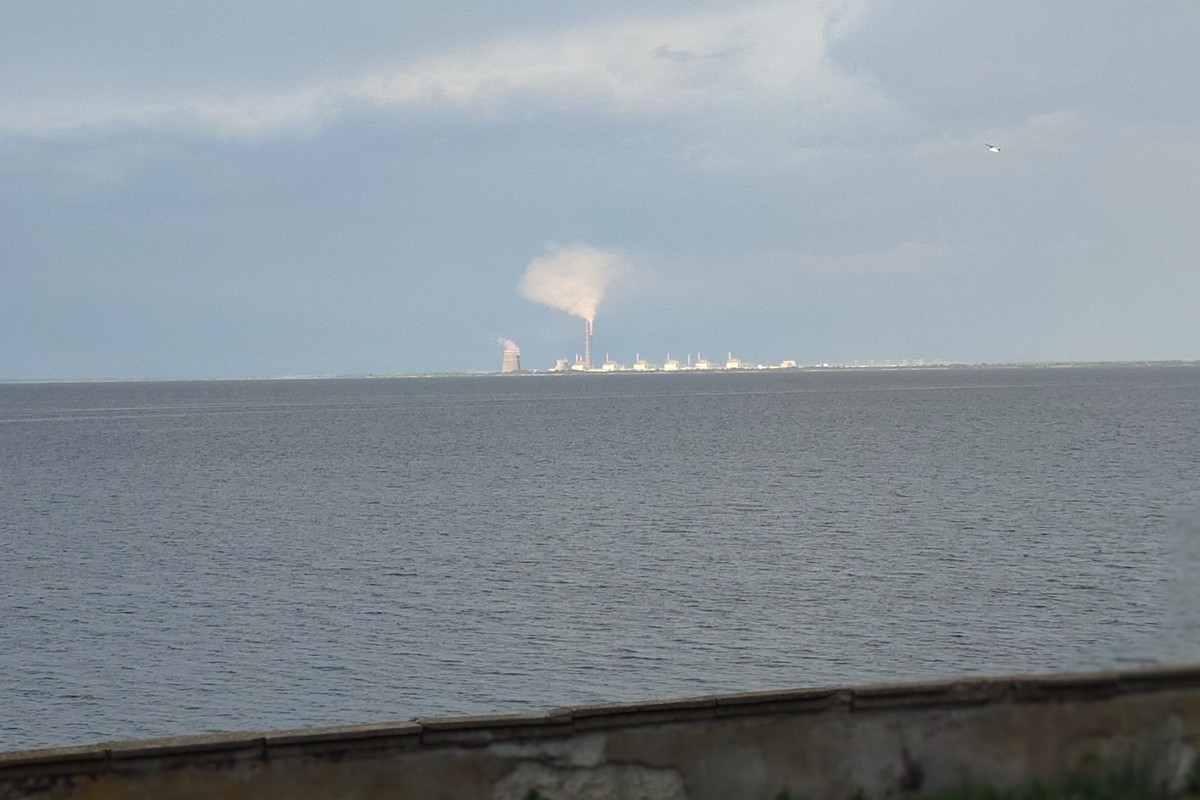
903, 740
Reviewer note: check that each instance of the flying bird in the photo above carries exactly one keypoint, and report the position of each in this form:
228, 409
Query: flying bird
992, 148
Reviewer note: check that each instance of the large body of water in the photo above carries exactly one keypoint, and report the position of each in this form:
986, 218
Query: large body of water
180, 557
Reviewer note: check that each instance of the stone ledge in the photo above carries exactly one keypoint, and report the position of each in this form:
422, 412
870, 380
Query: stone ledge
952, 692
182, 745
781, 702
484, 729
338, 741
382, 730
85, 756
176, 752
645, 712
1066, 686
493, 721
1159, 678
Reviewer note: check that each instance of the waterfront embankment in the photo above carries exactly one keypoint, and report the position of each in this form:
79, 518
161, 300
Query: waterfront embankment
877, 741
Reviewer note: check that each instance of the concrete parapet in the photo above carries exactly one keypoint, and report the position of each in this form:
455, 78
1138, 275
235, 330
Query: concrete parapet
646, 712
888, 740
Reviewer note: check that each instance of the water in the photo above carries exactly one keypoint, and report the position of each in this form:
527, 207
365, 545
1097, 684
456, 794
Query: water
180, 557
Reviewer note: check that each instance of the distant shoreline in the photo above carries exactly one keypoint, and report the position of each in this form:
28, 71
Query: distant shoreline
810, 368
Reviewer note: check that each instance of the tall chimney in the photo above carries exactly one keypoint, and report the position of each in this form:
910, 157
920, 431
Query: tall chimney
587, 343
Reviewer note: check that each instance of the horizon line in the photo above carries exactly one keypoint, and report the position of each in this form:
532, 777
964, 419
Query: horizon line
857, 366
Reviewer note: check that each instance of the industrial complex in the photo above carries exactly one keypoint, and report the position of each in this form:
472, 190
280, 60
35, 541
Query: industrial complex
511, 361
730, 362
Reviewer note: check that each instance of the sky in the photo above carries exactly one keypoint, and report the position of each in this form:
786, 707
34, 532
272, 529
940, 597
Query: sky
231, 189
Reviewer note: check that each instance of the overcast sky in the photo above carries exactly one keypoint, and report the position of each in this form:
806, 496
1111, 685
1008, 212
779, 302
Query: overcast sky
223, 188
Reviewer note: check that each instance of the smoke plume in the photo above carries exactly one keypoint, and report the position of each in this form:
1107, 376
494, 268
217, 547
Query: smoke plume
572, 278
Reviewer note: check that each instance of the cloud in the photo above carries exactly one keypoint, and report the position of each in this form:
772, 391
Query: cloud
675, 55
769, 54
573, 278
301, 109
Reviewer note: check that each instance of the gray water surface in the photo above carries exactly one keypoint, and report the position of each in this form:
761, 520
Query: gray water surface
180, 557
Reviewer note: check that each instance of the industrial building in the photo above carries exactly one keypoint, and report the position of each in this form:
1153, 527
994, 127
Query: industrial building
511, 361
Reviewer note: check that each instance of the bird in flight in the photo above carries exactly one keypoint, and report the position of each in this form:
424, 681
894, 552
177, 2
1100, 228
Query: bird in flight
992, 148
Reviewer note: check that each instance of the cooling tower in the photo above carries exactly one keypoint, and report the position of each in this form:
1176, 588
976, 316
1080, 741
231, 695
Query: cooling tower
587, 343
512, 359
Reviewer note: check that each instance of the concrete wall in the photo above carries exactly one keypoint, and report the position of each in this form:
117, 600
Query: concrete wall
903, 740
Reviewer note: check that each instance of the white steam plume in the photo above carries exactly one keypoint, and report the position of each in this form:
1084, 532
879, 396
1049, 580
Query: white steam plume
572, 278
508, 344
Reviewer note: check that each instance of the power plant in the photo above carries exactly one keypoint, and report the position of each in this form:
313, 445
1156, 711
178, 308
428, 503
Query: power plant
698, 364
573, 279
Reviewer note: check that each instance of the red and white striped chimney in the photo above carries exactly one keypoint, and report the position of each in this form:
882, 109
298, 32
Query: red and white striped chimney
587, 343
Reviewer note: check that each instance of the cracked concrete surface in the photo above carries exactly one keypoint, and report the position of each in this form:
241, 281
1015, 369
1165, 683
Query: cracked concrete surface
605, 782
581, 750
